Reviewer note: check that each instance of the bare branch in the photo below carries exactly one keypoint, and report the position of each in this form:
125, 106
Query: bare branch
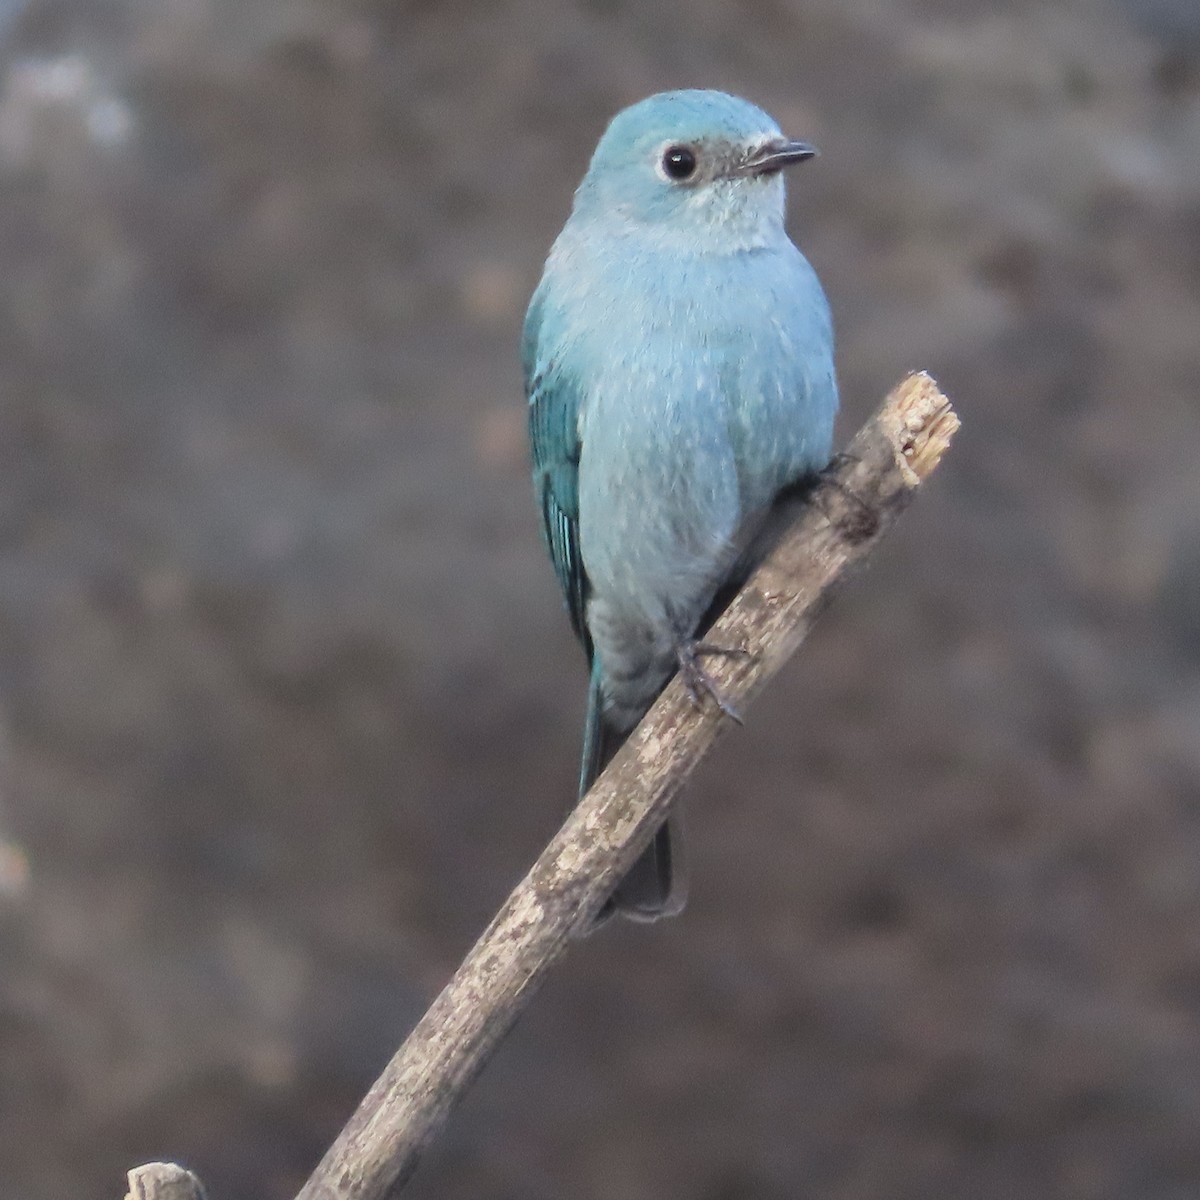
829, 530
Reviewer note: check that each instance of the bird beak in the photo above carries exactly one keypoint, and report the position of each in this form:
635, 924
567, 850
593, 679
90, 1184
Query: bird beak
773, 156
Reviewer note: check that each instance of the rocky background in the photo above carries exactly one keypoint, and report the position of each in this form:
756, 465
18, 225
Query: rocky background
288, 700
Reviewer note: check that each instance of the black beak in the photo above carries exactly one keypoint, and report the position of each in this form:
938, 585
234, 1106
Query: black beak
774, 156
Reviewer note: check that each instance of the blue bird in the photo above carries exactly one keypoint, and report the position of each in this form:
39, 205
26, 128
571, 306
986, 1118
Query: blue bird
678, 359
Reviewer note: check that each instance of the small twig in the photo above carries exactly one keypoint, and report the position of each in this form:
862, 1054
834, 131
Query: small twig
163, 1181
810, 544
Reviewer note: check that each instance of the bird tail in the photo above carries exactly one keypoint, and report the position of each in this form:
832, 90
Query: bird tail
654, 886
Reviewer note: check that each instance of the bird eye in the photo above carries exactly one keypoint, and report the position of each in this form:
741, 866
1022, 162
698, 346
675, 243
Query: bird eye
679, 162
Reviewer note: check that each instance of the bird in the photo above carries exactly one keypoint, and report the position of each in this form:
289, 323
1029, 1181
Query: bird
679, 371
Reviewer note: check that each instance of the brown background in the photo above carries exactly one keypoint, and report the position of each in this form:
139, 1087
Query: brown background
288, 700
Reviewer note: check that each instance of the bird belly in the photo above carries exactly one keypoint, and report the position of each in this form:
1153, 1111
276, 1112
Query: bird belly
659, 517
705, 395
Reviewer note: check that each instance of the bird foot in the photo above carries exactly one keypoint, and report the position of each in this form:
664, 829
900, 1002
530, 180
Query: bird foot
698, 681
861, 521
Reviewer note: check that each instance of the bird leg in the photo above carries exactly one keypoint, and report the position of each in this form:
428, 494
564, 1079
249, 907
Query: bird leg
698, 681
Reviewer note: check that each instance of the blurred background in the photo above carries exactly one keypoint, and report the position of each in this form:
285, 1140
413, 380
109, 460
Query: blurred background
288, 700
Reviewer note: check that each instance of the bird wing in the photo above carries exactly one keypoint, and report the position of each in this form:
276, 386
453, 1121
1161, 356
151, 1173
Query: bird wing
554, 396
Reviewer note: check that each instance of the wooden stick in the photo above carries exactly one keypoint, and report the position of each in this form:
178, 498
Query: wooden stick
163, 1181
810, 544
838, 523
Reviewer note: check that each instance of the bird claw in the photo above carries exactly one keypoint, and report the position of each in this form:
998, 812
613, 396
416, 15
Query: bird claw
862, 521
699, 682
843, 458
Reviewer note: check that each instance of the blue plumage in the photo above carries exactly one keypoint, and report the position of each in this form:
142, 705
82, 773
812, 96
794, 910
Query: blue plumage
678, 358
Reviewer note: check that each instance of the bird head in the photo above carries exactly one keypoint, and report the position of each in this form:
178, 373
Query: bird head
701, 167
